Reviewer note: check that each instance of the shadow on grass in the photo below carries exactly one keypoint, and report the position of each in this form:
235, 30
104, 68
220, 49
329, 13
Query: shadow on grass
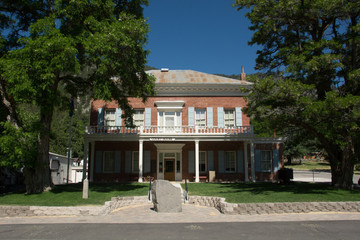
268, 188
98, 187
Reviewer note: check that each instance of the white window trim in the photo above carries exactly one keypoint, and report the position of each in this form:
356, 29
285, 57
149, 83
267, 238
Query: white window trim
266, 161
234, 114
106, 117
103, 163
195, 117
234, 171
206, 165
143, 119
135, 166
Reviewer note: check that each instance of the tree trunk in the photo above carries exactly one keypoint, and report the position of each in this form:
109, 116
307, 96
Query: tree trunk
342, 169
38, 177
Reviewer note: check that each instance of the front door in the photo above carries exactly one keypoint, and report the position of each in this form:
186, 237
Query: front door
169, 169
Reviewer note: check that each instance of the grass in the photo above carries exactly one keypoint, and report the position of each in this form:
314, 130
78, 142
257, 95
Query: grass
272, 192
71, 195
309, 165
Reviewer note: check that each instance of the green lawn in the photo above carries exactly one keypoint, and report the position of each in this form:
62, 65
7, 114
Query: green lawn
71, 195
272, 192
309, 165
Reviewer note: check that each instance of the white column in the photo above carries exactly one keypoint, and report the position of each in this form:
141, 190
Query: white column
252, 161
86, 144
92, 161
197, 161
246, 168
141, 143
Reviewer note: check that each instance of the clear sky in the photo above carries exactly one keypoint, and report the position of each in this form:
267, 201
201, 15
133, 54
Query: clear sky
208, 36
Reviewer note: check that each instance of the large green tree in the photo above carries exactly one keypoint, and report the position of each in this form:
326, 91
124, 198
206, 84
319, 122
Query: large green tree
316, 45
79, 45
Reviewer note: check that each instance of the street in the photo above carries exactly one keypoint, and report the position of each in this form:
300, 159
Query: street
316, 176
326, 230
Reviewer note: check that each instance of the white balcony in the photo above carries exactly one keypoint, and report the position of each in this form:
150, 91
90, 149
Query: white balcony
168, 130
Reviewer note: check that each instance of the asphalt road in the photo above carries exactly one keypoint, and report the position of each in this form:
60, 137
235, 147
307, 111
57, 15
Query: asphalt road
326, 230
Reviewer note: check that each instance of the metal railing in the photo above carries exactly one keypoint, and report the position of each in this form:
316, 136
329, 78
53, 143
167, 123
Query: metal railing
168, 130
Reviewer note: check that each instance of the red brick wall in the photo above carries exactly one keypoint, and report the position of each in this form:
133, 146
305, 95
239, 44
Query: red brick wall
197, 102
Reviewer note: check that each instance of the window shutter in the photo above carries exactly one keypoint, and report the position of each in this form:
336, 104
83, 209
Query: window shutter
276, 160
147, 162
258, 160
210, 160
118, 117
191, 116
220, 117
240, 161
100, 117
221, 161
98, 166
128, 161
210, 120
191, 162
117, 162
147, 117
238, 116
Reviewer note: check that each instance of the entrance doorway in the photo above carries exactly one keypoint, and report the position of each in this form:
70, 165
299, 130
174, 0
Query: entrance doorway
169, 169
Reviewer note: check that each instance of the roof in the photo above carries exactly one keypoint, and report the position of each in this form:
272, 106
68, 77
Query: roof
192, 77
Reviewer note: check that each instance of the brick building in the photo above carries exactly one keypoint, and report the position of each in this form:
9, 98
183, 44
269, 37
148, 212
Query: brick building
194, 124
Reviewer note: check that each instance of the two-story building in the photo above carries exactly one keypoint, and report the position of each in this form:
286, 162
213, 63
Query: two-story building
194, 124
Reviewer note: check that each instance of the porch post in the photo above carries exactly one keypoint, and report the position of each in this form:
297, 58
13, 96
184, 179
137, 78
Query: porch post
197, 161
141, 143
92, 146
252, 161
246, 168
86, 144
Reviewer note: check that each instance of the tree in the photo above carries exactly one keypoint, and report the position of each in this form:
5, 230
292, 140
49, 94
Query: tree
80, 45
316, 45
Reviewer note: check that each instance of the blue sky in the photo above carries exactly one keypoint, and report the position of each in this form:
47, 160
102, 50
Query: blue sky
208, 36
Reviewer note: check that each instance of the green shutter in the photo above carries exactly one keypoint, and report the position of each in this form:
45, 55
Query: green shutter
128, 161
147, 162
258, 160
191, 162
220, 117
100, 117
98, 160
117, 162
238, 117
240, 161
210, 155
148, 117
276, 160
210, 117
118, 118
221, 161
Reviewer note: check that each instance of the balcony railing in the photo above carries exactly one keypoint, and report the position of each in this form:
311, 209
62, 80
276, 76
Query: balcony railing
173, 130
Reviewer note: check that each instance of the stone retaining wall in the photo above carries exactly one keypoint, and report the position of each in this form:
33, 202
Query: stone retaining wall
216, 202
269, 208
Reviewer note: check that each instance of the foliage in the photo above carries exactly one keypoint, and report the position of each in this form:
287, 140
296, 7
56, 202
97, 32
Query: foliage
316, 45
56, 50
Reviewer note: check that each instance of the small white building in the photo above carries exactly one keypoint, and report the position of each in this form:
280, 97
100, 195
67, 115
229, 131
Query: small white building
58, 167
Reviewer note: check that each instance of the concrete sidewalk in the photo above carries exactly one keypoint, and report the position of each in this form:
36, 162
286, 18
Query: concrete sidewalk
190, 214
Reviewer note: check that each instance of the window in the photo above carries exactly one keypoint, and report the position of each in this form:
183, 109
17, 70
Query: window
109, 117
139, 117
135, 162
200, 117
229, 117
109, 162
265, 163
170, 121
202, 162
229, 162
